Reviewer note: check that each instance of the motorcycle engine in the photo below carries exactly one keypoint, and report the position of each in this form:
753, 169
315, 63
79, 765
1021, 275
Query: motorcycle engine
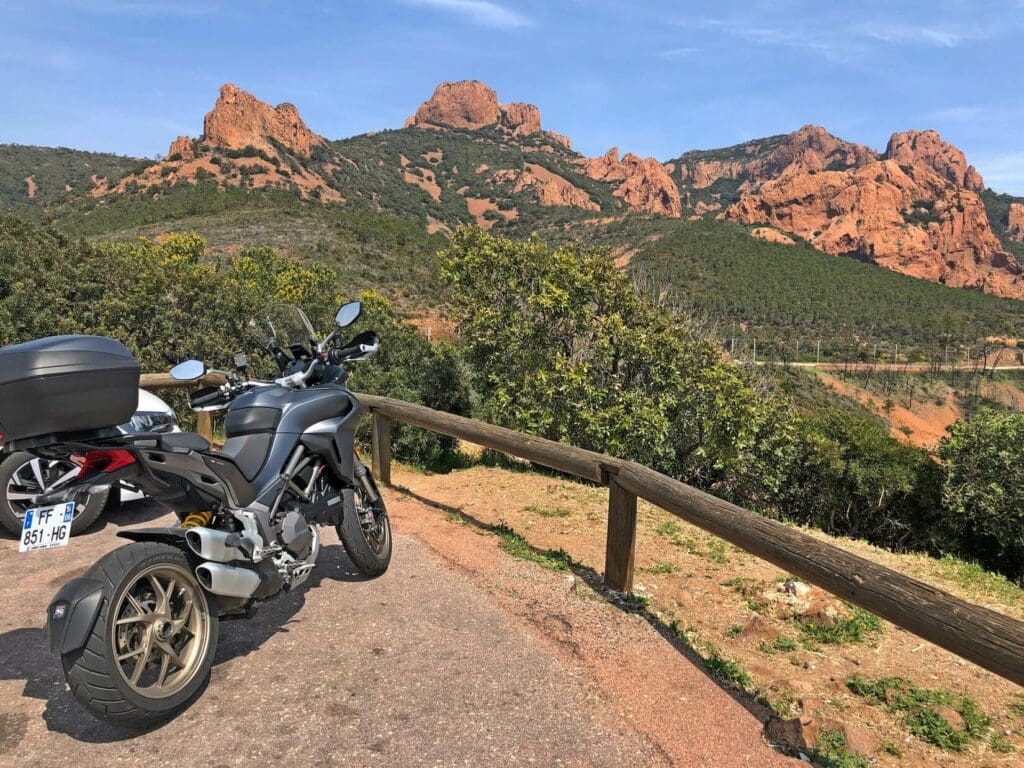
296, 535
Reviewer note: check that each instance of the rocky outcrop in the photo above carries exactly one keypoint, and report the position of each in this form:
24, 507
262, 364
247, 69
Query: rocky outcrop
522, 119
245, 142
812, 148
550, 188
925, 150
642, 183
239, 120
181, 149
916, 212
1015, 222
771, 235
470, 105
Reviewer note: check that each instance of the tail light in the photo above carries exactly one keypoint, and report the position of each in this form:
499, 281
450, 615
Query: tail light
95, 462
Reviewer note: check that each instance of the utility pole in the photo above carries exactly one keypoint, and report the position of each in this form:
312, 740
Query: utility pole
818, 357
755, 350
897, 360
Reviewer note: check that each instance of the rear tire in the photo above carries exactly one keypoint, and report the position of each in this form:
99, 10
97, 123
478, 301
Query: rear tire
18, 478
365, 532
138, 625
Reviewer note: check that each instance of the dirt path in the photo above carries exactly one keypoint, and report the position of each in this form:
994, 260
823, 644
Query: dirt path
459, 655
417, 668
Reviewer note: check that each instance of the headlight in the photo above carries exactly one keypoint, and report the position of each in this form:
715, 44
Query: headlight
153, 421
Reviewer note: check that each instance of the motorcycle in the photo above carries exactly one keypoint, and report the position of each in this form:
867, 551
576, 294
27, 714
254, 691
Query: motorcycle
136, 635
25, 476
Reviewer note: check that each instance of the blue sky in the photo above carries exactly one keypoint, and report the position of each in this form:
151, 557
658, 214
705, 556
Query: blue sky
653, 77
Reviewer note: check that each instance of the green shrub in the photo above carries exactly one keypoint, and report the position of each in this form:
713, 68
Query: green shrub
983, 492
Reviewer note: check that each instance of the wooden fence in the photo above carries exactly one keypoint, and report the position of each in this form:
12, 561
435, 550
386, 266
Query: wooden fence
987, 638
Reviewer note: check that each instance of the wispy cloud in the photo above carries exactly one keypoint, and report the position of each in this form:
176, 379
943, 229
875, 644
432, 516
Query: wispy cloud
676, 53
145, 7
1003, 173
944, 37
482, 12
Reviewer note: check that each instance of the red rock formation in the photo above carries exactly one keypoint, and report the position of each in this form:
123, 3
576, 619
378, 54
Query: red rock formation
471, 105
771, 235
558, 138
550, 188
181, 149
523, 119
642, 183
927, 150
1015, 222
239, 119
908, 213
468, 104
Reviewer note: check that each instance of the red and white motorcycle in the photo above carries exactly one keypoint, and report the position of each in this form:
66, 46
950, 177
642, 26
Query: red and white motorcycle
23, 476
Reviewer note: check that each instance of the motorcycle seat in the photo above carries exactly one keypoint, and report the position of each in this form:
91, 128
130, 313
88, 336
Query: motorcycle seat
182, 442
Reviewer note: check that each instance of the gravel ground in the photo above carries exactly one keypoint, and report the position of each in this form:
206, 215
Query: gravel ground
416, 668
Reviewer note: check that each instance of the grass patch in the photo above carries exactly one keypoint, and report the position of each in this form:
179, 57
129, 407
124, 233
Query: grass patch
778, 645
660, 567
667, 529
726, 669
734, 631
717, 553
543, 511
853, 628
638, 602
517, 546
922, 710
1016, 706
1002, 745
974, 578
831, 751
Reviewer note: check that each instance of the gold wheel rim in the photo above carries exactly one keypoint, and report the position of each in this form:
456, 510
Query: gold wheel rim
161, 631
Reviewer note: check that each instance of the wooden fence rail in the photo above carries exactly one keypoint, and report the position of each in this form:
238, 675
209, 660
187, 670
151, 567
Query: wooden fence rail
985, 637
989, 639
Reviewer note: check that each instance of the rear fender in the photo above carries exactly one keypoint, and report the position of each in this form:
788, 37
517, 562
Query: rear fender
72, 614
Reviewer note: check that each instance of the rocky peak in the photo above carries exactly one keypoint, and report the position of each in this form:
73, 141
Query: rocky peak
1015, 222
926, 150
467, 104
522, 118
643, 183
181, 149
239, 119
471, 105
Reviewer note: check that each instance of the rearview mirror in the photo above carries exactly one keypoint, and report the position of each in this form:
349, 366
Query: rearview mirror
348, 314
188, 370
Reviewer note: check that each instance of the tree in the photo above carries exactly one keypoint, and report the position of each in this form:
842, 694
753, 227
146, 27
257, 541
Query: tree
983, 492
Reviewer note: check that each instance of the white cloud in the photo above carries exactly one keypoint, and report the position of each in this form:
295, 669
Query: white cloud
482, 12
1003, 173
944, 37
676, 53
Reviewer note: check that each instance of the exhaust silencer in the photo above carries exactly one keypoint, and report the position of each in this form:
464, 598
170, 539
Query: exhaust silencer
211, 544
228, 580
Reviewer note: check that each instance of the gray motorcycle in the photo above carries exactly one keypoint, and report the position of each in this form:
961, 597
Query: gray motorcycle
136, 635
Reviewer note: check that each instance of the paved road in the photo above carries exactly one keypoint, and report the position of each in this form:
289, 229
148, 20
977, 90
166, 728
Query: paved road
458, 656
415, 668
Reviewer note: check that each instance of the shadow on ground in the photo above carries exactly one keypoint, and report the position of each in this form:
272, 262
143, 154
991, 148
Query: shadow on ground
25, 657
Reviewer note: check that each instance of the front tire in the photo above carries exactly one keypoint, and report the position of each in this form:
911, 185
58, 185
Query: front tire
152, 646
365, 532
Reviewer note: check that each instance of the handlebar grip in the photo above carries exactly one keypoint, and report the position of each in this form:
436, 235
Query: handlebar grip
338, 356
206, 399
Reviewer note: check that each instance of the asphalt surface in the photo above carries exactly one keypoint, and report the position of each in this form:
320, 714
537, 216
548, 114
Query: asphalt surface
416, 668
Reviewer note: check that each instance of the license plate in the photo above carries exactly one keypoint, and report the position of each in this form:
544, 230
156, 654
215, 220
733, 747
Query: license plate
47, 527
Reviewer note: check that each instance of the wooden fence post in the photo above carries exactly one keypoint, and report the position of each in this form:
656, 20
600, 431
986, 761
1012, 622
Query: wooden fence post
621, 544
204, 425
382, 448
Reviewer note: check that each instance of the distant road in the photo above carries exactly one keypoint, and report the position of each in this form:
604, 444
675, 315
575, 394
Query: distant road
905, 367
